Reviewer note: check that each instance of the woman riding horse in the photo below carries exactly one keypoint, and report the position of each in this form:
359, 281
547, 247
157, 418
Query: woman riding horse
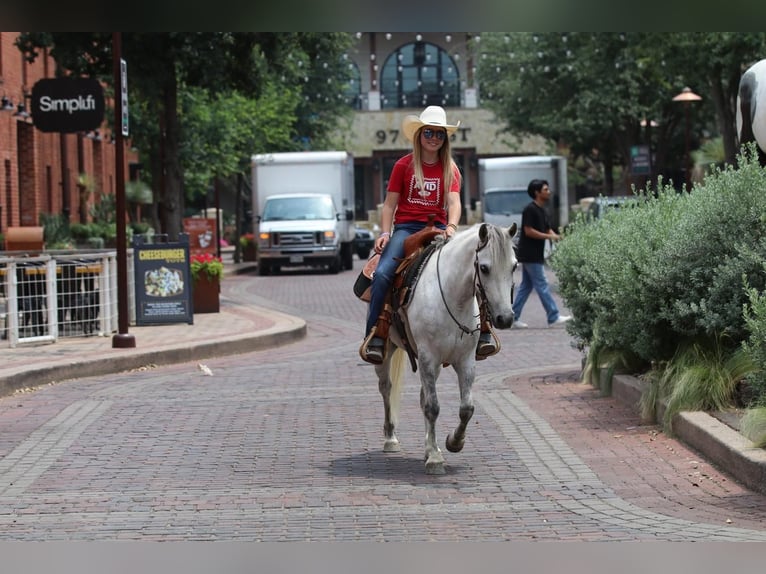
424, 182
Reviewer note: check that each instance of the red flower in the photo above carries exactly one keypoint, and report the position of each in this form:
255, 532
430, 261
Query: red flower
207, 264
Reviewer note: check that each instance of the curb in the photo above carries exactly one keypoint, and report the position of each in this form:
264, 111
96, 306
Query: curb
726, 448
274, 337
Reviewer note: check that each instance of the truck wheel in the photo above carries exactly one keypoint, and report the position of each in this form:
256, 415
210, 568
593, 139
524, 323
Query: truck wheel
263, 268
347, 253
334, 267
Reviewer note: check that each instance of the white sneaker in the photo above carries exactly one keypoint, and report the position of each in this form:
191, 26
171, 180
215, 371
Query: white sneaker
561, 320
519, 325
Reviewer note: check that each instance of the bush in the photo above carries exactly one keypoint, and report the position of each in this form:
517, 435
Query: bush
670, 272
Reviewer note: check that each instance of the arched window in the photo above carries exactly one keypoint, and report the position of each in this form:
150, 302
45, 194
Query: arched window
417, 75
352, 94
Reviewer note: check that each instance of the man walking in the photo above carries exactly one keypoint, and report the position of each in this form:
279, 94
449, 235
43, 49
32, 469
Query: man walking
535, 229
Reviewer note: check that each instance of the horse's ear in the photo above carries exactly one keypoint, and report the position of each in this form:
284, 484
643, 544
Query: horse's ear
512, 230
483, 233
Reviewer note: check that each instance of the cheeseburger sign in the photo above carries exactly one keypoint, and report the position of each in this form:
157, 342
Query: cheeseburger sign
67, 105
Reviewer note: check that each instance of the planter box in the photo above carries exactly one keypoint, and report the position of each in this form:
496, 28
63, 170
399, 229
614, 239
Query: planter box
248, 252
206, 296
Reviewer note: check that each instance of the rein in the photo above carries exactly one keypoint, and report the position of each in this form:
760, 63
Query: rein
476, 280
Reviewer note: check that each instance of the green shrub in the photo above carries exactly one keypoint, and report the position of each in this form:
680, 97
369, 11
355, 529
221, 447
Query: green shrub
669, 270
755, 318
55, 230
754, 426
80, 232
668, 276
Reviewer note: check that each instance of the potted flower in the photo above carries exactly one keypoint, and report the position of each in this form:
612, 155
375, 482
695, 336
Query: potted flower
248, 246
206, 272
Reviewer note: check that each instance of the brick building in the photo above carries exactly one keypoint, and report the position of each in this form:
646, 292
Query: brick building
45, 172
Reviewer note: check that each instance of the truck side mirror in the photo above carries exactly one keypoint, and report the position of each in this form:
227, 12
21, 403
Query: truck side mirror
349, 215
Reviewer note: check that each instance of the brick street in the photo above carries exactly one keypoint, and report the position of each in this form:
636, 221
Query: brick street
285, 444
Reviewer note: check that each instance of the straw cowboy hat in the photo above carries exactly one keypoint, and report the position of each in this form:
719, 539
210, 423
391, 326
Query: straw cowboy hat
432, 116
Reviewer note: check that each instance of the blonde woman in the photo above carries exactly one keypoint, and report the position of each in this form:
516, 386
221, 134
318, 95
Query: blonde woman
422, 183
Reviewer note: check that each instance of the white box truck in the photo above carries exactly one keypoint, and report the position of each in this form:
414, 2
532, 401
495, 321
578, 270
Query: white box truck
304, 203
503, 183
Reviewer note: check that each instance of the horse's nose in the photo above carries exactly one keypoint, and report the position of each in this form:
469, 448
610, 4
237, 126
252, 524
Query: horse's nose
504, 321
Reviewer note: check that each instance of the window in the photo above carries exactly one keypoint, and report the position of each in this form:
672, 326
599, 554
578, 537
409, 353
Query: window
417, 75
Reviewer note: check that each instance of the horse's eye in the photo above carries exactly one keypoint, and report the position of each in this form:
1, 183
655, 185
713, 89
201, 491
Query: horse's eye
484, 268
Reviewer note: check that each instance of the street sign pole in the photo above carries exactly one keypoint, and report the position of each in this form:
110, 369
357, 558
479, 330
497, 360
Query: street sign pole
122, 338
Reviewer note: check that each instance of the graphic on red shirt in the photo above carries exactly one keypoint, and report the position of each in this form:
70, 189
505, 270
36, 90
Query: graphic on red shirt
430, 195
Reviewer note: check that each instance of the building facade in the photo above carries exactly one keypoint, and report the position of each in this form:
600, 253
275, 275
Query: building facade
45, 173
400, 73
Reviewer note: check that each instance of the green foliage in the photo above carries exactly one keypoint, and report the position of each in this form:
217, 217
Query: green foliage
218, 131
666, 282
700, 376
592, 90
138, 192
206, 266
670, 269
755, 318
753, 426
104, 210
55, 230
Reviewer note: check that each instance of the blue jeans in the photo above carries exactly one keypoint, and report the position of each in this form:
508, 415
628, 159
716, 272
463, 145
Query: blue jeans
533, 278
386, 269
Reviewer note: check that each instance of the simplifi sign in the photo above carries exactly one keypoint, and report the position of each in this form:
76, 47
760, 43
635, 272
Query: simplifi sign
67, 105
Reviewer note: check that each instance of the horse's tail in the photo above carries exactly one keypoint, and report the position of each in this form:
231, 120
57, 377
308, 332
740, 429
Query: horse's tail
396, 374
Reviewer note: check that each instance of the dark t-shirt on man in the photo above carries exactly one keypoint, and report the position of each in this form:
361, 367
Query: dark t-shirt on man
533, 250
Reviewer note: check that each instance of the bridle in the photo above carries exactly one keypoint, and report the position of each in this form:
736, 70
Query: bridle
477, 286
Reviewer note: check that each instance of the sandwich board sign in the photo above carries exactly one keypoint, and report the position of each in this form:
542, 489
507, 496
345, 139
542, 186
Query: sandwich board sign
163, 288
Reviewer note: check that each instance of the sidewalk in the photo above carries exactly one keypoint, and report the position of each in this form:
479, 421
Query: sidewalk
235, 329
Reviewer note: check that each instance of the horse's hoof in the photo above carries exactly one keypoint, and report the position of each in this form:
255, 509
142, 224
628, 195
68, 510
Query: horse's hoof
435, 467
454, 446
391, 445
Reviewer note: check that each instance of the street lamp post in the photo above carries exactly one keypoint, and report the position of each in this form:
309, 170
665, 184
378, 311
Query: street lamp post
686, 97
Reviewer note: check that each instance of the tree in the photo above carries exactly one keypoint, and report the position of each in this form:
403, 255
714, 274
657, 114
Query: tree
161, 64
592, 90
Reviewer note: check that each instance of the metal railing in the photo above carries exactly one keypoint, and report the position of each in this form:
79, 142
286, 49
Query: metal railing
53, 296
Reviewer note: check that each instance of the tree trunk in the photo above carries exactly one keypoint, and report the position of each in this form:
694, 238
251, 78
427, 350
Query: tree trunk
171, 193
725, 104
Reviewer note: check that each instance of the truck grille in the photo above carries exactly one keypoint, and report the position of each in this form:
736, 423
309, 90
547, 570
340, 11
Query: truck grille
296, 239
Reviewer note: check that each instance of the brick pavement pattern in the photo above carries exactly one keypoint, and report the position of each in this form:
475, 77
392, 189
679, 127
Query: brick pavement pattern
285, 444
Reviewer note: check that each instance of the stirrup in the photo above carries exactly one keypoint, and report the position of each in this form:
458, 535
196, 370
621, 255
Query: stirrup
484, 350
363, 350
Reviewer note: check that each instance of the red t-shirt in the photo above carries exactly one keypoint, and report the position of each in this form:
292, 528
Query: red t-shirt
416, 204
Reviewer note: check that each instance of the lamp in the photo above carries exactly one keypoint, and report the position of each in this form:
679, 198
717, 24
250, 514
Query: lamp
686, 97
6, 105
21, 112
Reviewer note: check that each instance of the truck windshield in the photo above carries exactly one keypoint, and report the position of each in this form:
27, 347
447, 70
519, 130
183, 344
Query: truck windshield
506, 201
294, 208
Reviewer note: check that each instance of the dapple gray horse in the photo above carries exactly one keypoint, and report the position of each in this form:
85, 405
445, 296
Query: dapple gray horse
443, 327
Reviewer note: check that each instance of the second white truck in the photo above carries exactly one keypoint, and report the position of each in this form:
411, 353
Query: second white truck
503, 183
305, 215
